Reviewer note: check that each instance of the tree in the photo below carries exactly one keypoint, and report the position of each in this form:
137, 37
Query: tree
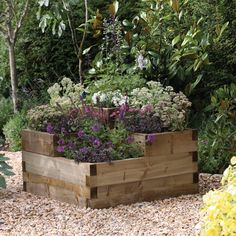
12, 14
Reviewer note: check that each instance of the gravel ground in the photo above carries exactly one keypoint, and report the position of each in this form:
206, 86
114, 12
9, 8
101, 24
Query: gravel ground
23, 214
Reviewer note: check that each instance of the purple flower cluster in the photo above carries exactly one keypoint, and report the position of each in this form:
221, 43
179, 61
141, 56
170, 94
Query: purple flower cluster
139, 120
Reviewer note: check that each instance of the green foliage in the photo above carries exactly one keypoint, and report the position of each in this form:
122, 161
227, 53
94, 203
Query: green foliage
5, 170
39, 117
6, 112
111, 80
170, 43
218, 139
12, 131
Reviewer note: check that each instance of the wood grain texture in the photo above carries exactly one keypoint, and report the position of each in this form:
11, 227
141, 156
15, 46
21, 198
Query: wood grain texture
39, 142
168, 168
58, 168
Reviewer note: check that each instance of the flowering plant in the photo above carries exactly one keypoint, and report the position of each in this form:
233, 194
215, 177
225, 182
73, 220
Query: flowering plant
40, 118
170, 106
66, 93
109, 99
96, 142
138, 120
219, 212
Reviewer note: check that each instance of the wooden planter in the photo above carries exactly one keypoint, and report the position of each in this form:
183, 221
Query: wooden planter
39, 142
169, 168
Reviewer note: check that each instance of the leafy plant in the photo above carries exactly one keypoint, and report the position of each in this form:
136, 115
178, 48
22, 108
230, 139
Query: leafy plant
170, 43
5, 170
217, 139
6, 111
12, 131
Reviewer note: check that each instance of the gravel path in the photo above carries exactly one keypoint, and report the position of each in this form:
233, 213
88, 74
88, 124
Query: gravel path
23, 214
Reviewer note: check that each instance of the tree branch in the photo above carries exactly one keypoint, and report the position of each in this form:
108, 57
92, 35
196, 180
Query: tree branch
82, 41
23, 15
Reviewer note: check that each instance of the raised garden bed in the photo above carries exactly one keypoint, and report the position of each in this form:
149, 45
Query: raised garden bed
168, 168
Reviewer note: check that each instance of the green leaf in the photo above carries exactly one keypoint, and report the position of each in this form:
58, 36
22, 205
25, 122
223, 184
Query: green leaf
223, 28
2, 158
176, 40
2, 182
6, 172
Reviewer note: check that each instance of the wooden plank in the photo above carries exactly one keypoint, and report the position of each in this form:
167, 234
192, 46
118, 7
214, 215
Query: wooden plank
164, 169
156, 159
120, 165
39, 142
151, 195
79, 190
37, 188
168, 143
57, 168
184, 143
140, 186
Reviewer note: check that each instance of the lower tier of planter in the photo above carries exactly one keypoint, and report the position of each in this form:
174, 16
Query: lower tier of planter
100, 185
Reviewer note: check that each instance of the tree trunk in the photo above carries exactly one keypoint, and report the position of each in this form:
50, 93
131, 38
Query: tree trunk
12, 62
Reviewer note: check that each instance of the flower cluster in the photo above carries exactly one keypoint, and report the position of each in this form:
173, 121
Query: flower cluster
66, 94
138, 120
219, 212
109, 99
170, 106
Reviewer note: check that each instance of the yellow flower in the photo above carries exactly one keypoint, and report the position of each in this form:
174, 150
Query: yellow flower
233, 161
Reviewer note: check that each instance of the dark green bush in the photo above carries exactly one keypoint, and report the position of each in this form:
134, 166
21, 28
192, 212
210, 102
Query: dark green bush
6, 112
12, 131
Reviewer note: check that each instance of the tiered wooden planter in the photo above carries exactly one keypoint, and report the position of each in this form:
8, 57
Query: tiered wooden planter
168, 168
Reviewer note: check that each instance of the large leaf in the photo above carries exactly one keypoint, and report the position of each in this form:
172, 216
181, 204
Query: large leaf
176, 40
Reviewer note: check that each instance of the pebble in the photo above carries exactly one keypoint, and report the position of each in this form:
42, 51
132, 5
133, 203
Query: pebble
24, 214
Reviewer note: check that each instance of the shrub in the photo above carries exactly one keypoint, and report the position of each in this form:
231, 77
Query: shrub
5, 170
12, 131
6, 112
219, 209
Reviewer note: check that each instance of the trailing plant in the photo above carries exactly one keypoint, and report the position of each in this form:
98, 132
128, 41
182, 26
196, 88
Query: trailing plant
220, 206
5, 170
96, 142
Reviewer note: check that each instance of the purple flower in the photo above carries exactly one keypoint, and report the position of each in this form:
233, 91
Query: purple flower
61, 142
84, 150
71, 145
81, 134
50, 128
63, 130
96, 128
97, 142
130, 139
150, 138
61, 149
